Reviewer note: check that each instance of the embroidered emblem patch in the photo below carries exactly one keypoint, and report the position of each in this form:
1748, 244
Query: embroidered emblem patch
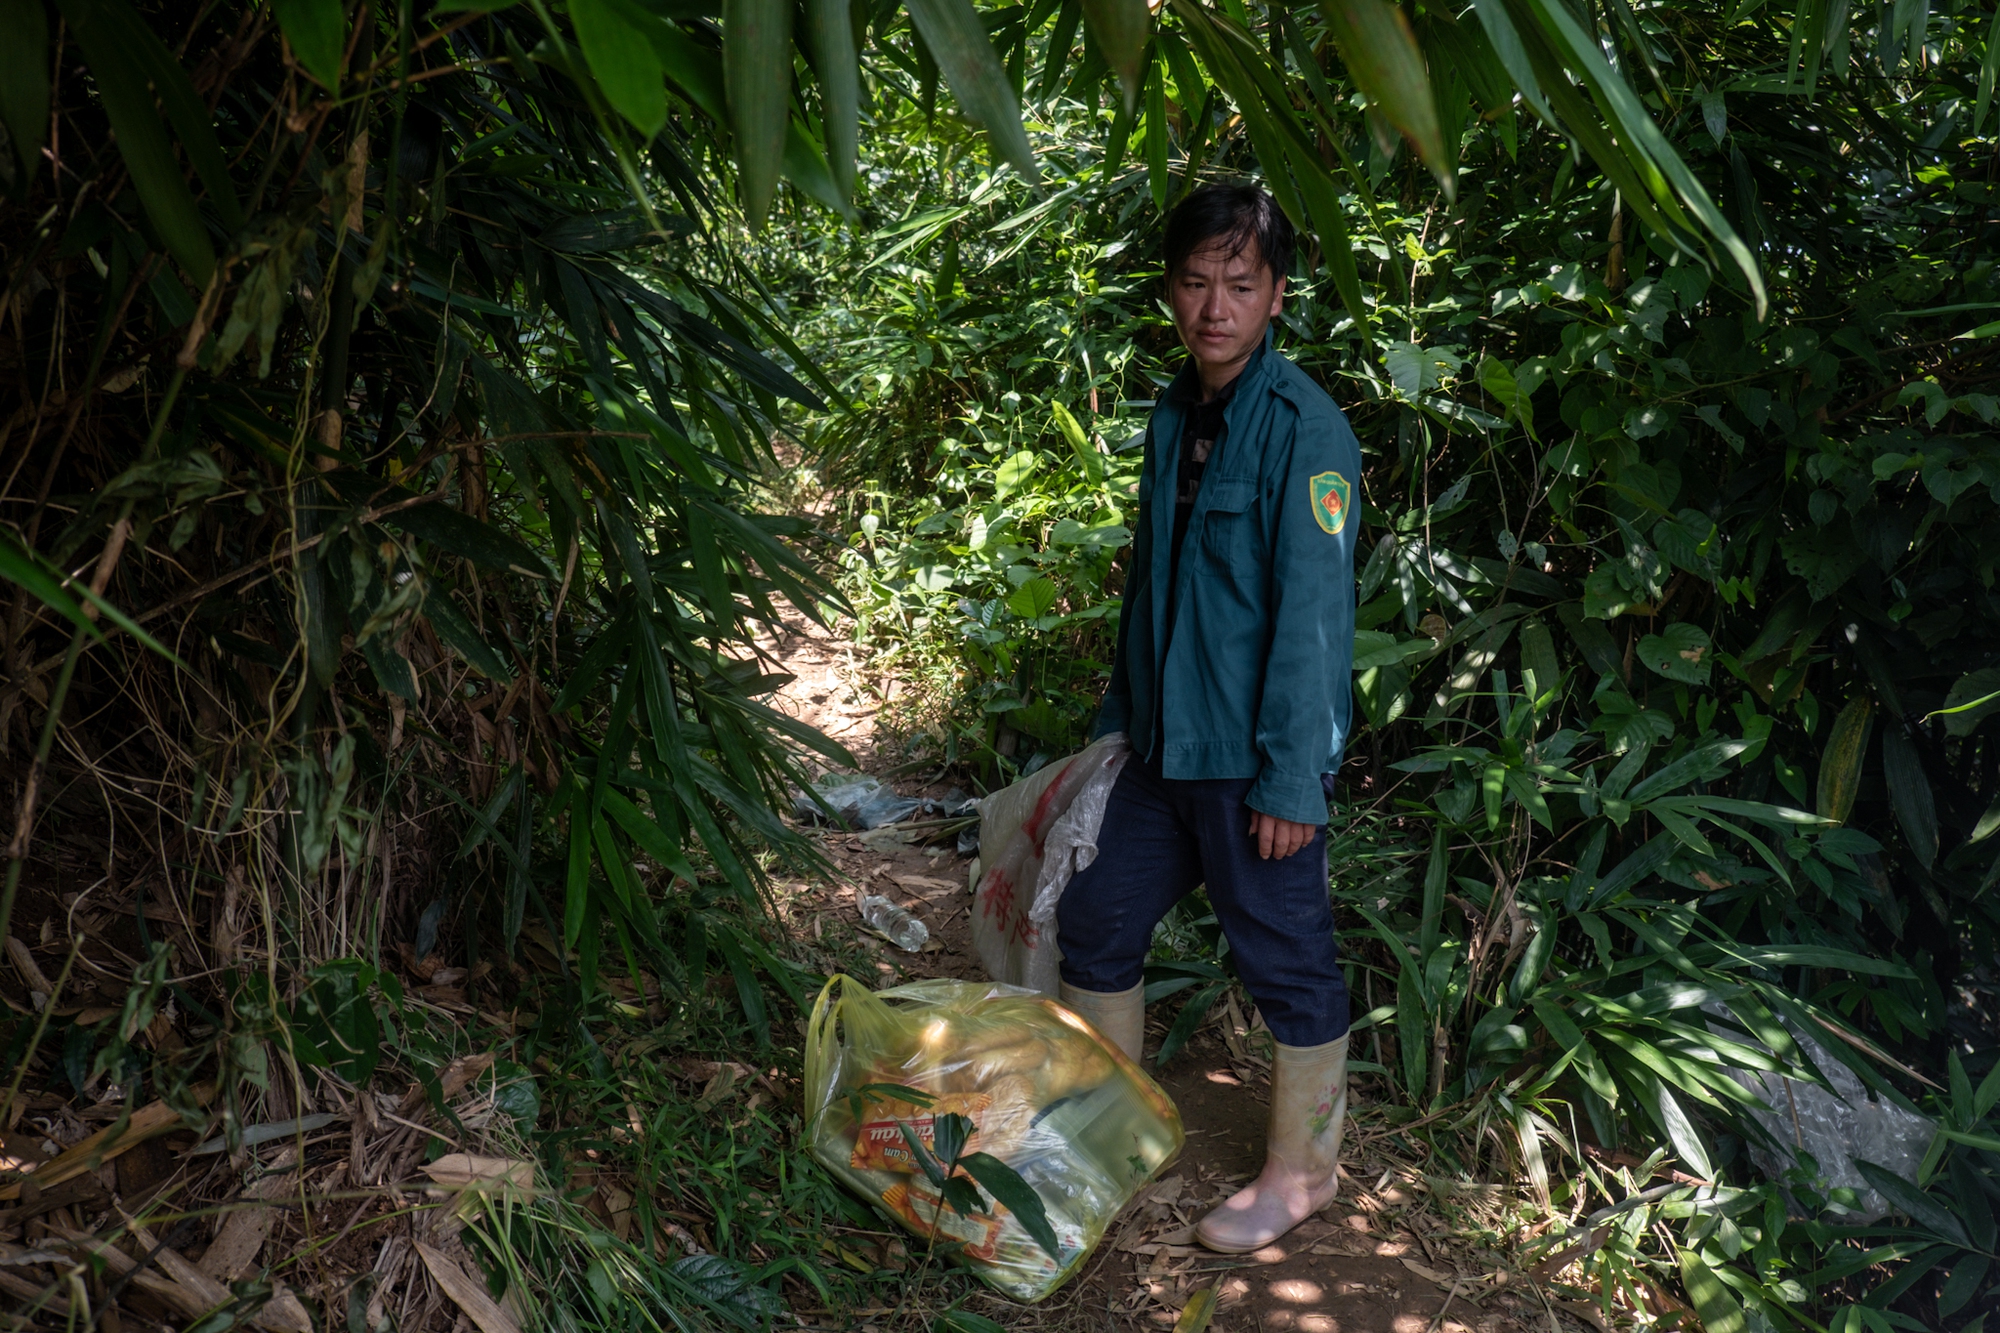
1331, 494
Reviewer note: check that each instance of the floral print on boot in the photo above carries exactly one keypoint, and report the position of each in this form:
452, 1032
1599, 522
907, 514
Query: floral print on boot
1300, 1177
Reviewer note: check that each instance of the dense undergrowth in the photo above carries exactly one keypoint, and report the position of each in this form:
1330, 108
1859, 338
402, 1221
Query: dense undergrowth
1677, 641
388, 505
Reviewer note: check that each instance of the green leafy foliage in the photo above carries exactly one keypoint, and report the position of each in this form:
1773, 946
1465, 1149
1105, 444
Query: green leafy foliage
1672, 616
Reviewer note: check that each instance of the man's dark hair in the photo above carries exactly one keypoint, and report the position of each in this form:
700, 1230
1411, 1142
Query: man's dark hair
1238, 214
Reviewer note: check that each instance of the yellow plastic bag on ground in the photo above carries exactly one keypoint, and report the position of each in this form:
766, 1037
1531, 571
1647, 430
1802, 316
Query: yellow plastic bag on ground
1081, 1125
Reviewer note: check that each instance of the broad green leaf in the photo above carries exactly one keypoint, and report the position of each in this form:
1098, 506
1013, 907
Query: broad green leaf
839, 86
1120, 27
391, 668
1189, 1021
693, 68
1681, 652
1014, 471
647, 833
1382, 55
1072, 432
757, 69
1016, 1196
317, 30
957, 38
24, 80
1840, 765
1974, 697
621, 59
1034, 599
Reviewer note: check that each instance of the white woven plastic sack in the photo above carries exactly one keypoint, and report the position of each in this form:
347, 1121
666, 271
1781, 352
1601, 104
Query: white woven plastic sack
1033, 838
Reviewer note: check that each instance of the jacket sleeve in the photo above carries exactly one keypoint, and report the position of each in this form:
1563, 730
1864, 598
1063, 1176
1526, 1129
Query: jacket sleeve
1307, 701
1115, 713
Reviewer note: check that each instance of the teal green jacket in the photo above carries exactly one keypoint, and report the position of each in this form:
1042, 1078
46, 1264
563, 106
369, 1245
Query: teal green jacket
1256, 682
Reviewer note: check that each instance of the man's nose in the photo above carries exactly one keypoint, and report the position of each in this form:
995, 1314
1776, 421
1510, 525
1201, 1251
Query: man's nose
1213, 307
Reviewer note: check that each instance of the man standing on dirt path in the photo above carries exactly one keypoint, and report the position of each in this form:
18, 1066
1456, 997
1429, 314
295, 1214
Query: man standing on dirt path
1231, 680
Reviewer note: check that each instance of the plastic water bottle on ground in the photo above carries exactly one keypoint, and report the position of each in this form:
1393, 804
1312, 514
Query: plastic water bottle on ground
904, 930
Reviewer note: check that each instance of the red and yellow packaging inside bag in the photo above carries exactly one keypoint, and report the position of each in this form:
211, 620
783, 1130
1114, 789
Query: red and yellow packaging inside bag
1080, 1124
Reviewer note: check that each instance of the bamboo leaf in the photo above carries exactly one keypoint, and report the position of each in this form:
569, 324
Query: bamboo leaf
142, 137
1639, 140
839, 87
20, 568
1910, 794
451, 530
1062, 40
1121, 27
1681, 1131
317, 30
1499, 28
622, 60
1989, 69
1336, 246
185, 109
1921, 1208
452, 626
956, 37
1719, 1311
757, 70
24, 81
1157, 179
1382, 54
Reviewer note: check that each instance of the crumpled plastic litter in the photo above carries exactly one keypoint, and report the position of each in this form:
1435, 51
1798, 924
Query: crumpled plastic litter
1835, 1129
863, 802
1035, 835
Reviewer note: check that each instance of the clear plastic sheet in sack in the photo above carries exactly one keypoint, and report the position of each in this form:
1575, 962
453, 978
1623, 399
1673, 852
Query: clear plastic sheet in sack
1082, 1125
1837, 1128
1033, 838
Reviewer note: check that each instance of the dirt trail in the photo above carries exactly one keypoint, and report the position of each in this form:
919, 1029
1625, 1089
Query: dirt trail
1379, 1260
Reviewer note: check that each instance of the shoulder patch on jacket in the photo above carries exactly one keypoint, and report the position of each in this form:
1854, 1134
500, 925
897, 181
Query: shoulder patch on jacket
1331, 494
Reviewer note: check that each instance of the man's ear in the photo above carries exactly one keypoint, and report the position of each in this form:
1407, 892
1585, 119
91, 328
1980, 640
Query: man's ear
1278, 299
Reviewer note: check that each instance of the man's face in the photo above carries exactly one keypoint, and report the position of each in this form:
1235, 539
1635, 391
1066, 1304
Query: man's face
1222, 305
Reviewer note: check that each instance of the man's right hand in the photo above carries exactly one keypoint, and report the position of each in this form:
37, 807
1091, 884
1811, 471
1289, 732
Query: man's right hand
1277, 838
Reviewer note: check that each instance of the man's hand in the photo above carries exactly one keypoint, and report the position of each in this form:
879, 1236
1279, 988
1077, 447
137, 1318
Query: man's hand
1277, 838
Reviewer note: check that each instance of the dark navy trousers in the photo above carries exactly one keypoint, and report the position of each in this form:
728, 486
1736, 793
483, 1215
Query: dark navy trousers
1163, 837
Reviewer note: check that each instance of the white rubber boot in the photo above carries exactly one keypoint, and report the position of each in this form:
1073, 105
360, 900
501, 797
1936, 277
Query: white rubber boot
1308, 1107
1118, 1016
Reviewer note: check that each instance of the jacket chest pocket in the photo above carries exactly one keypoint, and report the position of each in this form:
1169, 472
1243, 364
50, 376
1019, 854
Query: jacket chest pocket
1231, 539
